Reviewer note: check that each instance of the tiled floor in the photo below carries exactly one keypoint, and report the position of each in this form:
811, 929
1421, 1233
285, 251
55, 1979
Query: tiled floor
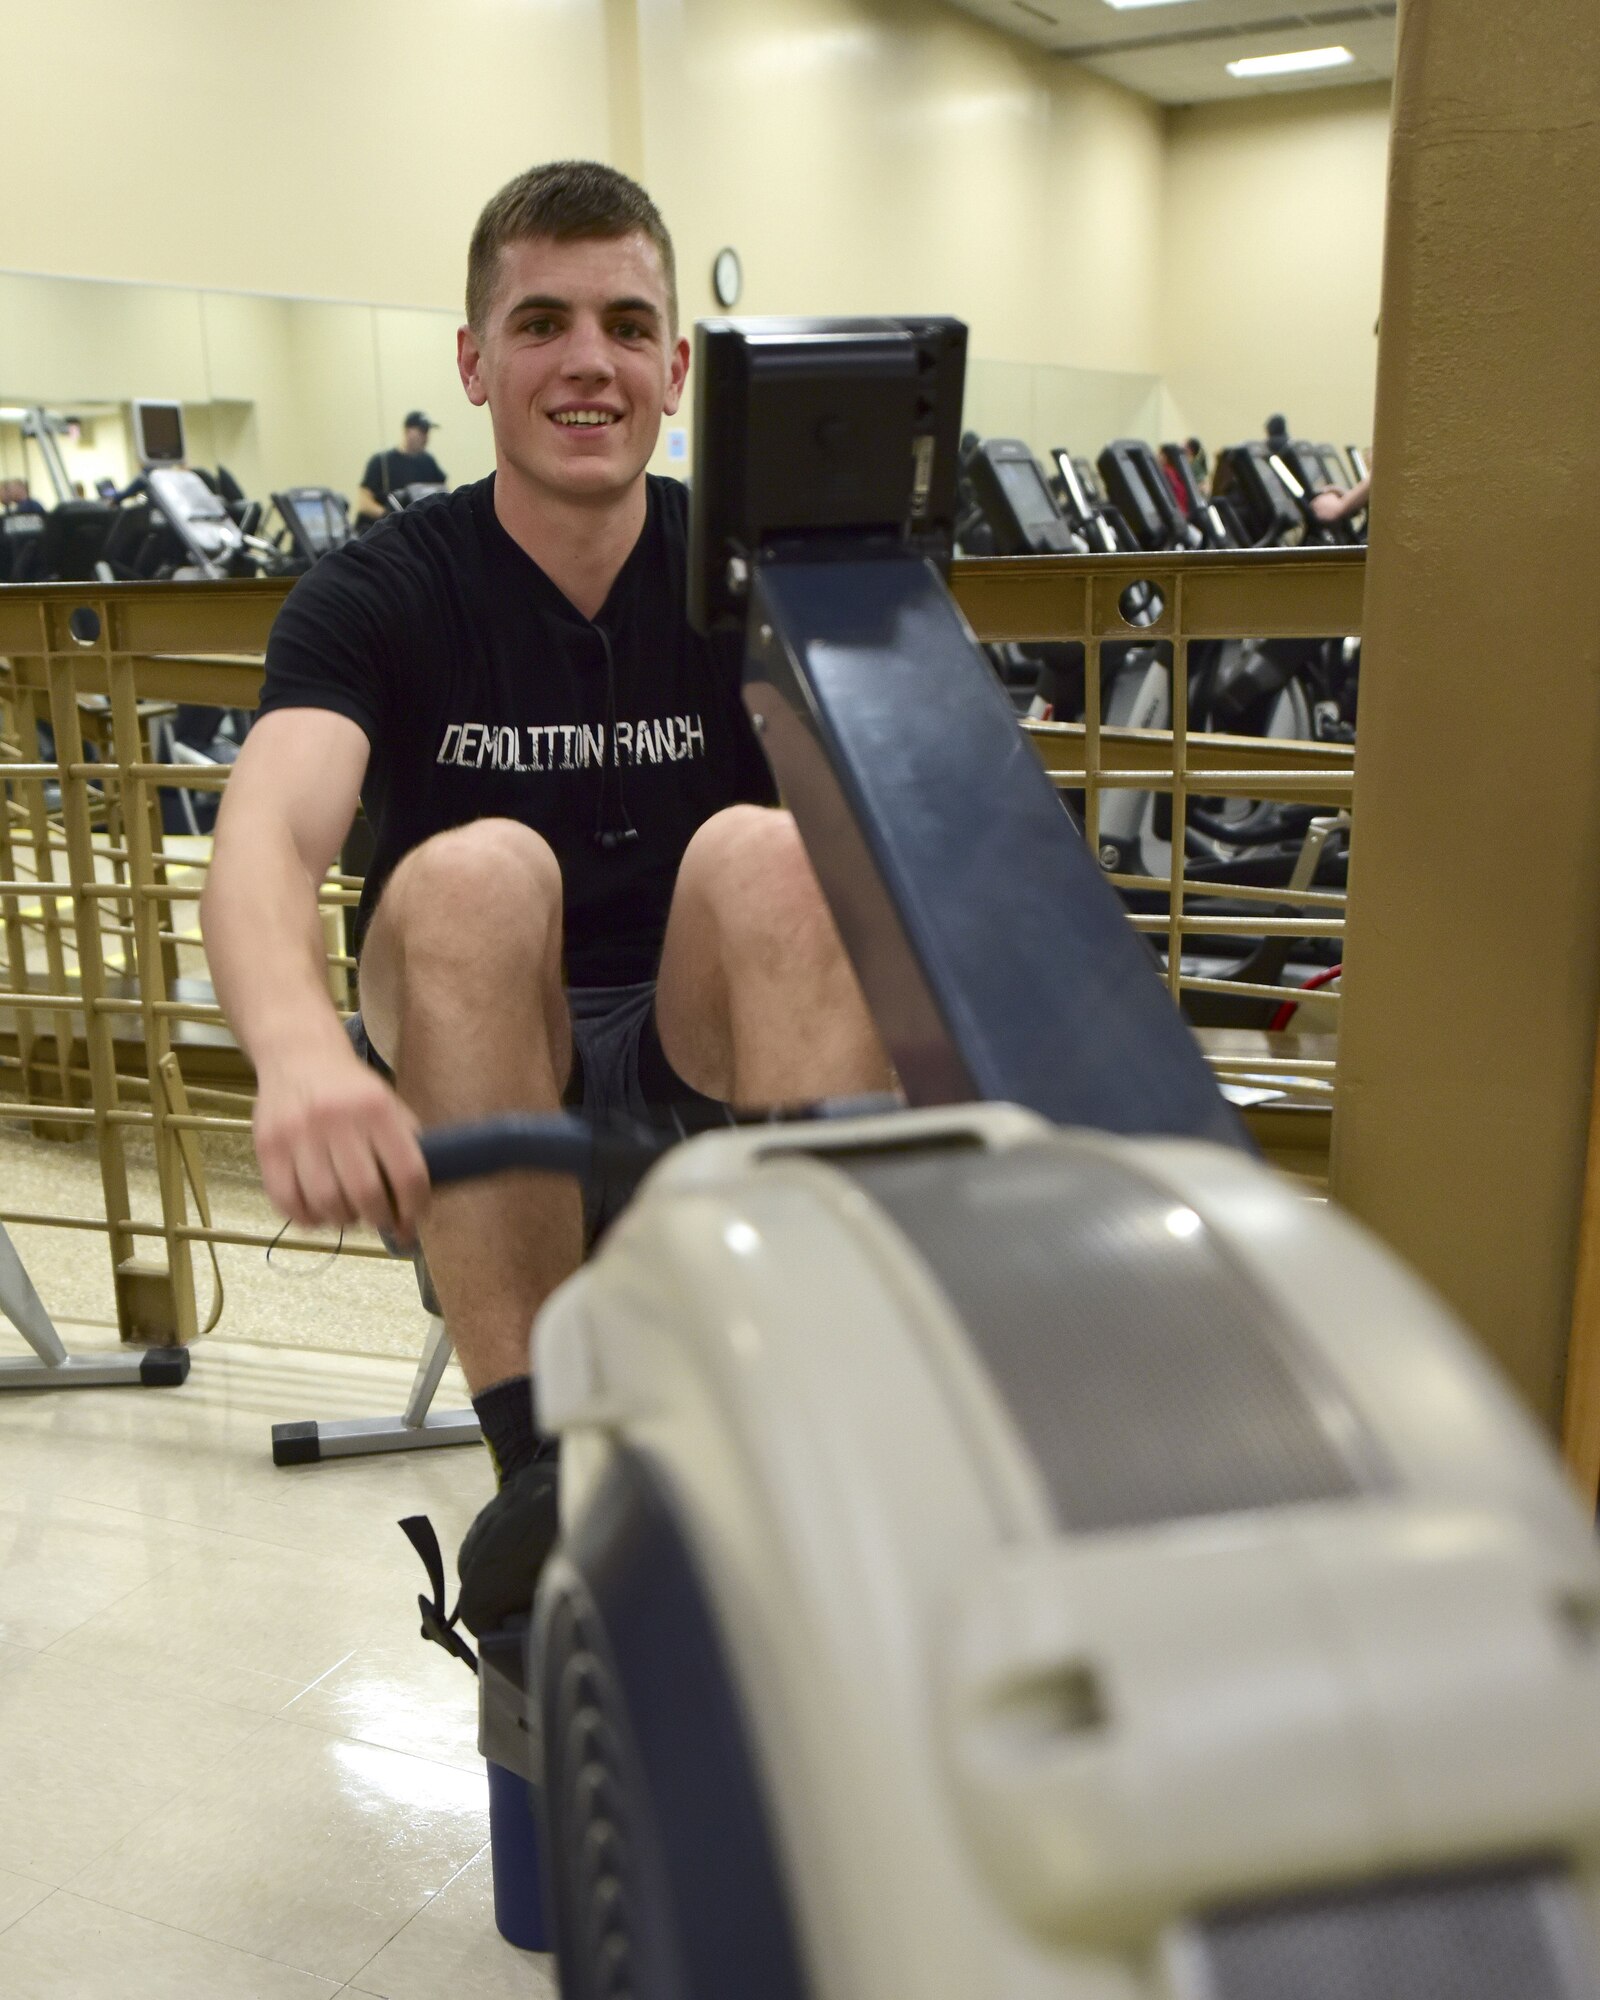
229, 1767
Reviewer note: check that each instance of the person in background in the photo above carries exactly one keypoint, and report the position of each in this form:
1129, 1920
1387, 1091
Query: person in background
16, 498
1338, 504
412, 464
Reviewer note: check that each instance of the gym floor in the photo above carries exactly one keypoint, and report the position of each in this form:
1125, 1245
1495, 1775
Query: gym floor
231, 1767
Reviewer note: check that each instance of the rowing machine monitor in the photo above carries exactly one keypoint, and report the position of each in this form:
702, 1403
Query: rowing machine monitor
954, 874
846, 444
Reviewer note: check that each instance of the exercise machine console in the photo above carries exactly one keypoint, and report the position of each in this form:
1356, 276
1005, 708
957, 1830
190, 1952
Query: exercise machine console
1017, 501
159, 436
316, 521
1138, 489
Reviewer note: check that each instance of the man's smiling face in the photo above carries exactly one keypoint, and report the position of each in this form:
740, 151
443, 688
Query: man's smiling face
577, 362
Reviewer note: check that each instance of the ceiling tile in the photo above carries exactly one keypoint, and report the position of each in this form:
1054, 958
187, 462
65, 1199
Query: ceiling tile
1176, 53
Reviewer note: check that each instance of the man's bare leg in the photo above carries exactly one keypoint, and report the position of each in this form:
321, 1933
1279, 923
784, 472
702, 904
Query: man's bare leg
756, 1002
461, 995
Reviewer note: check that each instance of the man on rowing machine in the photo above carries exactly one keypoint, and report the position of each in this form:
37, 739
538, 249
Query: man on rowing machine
581, 893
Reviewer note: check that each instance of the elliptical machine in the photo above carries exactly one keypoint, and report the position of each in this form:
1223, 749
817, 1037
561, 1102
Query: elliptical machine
1235, 687
1006, 507
1024, 513
1274, 484
314, 522
1023, 1552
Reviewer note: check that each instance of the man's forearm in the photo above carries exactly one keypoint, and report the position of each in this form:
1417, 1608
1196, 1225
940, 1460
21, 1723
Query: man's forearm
264, 942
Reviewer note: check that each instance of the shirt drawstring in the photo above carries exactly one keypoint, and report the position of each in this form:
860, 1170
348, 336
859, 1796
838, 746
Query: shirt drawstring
607, 838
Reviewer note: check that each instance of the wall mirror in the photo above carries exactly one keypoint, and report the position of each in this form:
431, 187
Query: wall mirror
300, 392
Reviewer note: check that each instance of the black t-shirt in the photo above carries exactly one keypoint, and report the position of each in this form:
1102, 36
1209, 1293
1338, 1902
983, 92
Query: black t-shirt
485, 692
388, 471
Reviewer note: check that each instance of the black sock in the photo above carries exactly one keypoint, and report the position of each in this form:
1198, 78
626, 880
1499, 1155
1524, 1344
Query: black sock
505, 1415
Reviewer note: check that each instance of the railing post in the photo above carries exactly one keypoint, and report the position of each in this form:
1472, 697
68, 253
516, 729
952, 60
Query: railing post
1472, 963
16, 936
136, 1322
33, 706
154, 965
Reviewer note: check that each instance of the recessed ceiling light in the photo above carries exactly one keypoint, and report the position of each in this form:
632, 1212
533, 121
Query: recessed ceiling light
1123, 5
1287, 65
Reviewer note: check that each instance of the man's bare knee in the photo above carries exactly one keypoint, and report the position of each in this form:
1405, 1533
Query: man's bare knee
787, 1019
747, 854
492, 881
750, 867
469, 918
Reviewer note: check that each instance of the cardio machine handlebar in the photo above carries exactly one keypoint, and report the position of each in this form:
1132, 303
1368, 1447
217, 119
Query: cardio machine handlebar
557, 1143
561, 1142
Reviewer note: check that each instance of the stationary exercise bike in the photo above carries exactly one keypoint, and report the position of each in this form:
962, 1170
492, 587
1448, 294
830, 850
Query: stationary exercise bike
1015, 1546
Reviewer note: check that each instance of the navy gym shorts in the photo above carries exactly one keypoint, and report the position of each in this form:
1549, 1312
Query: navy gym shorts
618, 1067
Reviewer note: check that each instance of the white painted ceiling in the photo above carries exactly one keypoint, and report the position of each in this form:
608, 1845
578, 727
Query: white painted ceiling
1176, 52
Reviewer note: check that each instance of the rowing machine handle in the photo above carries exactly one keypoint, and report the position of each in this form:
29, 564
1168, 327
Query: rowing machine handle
547, 1143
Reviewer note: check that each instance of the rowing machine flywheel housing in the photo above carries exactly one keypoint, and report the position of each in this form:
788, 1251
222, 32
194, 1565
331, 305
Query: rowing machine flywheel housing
1001, 1560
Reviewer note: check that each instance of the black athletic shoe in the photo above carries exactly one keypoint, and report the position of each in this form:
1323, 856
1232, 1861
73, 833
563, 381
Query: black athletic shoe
504, 1550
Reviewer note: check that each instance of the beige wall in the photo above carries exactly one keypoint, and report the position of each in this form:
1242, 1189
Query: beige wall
889, 155
1273, 254
862, 155
326, 148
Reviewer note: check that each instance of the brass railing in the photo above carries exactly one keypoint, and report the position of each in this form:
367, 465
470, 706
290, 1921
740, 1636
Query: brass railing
1283, 595
107, 1026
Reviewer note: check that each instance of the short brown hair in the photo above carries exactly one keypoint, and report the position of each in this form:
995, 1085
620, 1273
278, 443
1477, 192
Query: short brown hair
567, 200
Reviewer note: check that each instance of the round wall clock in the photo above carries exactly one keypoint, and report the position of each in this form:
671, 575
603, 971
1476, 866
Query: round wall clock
727, 278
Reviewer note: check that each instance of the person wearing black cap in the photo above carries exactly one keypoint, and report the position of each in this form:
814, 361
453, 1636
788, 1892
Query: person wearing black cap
412, 464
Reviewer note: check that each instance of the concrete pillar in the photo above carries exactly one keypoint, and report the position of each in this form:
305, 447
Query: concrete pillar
1473, 955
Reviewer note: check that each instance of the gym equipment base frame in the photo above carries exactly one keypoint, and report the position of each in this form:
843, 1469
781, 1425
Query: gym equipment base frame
417, 1428
56, 1368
